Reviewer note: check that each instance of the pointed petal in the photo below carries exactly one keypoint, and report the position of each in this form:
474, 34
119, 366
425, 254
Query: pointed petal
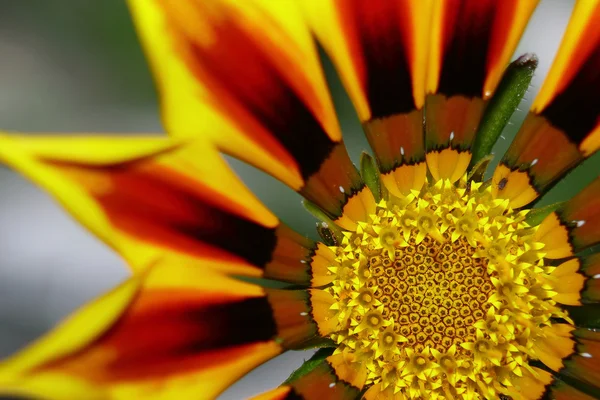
530, 386
574, 226
555, 345
158, 197
169, 332
251, 64
247, 76
319, 384
570, 282
471, 45
562, 127
380, 50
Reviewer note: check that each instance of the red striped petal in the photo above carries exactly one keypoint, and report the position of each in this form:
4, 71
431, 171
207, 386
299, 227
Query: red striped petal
172, 330
251, 81
380, 50
162, 198
562, 128
471, 44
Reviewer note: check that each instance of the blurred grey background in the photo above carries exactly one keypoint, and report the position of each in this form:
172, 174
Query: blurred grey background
76, 66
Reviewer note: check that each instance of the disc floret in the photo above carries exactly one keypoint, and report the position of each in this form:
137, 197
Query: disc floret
442, 294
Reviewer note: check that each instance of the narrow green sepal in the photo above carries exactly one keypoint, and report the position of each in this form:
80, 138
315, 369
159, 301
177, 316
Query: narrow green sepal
266, 283
502, 105
317, 343
326, 222
478, 171
309, 365
537, 215
370, 175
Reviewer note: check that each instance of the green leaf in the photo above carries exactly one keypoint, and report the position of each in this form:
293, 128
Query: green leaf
266, 283
537, 215
370, 174
503, 104
309, 365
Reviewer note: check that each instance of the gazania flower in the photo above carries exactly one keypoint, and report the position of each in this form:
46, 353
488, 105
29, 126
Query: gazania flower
430, 281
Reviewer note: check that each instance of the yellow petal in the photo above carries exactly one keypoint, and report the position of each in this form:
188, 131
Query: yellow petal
170, 332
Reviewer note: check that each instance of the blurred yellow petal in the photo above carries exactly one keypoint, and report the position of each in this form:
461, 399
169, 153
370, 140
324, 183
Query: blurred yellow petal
145, 197
247, 75
170, 332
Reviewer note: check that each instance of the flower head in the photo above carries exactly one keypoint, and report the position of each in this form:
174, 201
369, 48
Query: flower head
429, 281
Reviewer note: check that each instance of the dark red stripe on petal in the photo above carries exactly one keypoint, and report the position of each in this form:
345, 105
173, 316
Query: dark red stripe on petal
467, 33
156, 204
379, 48
571, 101
579, 376
381, 30
177, 326
165, 332
251, 86
471, 47
254, 87
277, 107
169, 331
576, 109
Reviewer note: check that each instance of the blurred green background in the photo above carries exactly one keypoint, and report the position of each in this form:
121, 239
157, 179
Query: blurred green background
76, 66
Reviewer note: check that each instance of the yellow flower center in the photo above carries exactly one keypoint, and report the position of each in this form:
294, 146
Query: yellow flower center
442, 293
